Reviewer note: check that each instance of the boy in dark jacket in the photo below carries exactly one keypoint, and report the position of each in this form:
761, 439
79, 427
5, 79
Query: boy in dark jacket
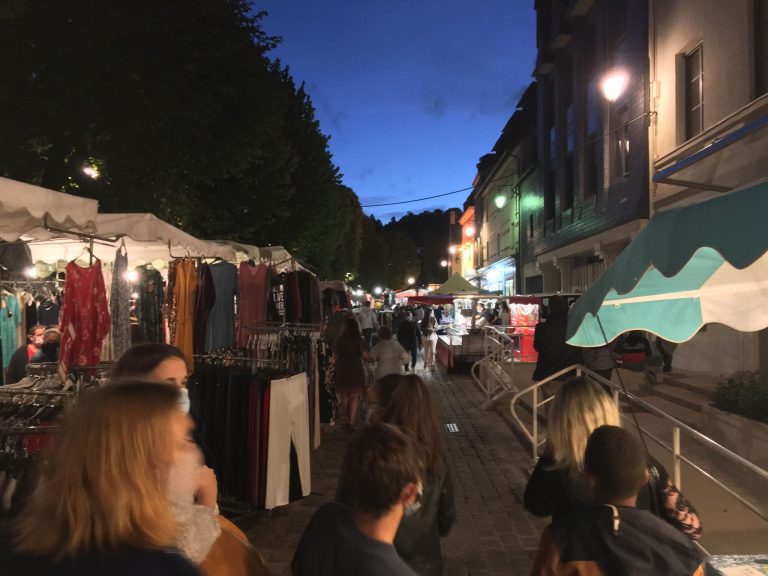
614, 537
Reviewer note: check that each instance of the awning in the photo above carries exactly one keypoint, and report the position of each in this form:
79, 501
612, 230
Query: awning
456, 285
691, 266
23, 208
147, 239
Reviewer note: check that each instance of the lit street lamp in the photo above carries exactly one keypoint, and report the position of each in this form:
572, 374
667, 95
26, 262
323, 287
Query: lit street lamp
613, 85
500, 201
444, 263
377, 290
411, 280
452, 249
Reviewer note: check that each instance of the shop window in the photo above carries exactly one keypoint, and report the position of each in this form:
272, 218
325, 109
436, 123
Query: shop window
694, 92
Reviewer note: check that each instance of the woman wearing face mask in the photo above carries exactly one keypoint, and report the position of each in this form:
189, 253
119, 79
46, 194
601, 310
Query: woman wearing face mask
101, 504
17, 366
193, 489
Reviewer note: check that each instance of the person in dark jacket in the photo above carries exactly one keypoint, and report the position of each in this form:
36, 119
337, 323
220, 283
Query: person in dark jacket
613, 536
549, 342
410, 408
409, 336
382, 469
557, 486
17, 366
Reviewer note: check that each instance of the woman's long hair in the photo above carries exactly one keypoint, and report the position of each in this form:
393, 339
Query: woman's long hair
410, 407
578, 409
351, 330
104, 484
426, 323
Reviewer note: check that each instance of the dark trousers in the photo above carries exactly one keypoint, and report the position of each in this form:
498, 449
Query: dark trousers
666, 355
414, 350
367, 334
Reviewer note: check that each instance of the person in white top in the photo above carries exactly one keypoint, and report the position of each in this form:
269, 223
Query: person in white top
429, 339
388, 354
368, 322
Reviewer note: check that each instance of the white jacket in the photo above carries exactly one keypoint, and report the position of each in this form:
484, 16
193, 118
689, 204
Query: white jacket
390, 357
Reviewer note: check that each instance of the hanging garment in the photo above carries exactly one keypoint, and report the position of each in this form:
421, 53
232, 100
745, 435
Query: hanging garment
149, 306
288, 422
205, 298
186, 285
254, 295
85, 318
169, 308
120, 304
10, 319
220, 332
48, 313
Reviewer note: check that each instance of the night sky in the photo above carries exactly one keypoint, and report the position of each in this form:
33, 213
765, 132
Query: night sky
412, 93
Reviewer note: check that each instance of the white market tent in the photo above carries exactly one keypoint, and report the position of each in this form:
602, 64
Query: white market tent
147, 240
26, 209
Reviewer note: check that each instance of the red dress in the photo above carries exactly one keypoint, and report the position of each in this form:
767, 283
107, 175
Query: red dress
85, 320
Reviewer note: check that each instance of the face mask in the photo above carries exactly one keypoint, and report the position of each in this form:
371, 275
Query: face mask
415, 506
184, 402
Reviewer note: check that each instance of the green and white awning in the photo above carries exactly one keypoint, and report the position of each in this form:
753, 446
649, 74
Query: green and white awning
690, 266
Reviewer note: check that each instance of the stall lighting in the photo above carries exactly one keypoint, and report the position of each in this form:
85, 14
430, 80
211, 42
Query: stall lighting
135, 295
452, 249
377, 291
30, 272
444, 263
131, 276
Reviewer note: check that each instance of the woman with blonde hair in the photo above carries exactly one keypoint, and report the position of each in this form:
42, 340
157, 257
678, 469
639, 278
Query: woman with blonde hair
101, 504
557, 486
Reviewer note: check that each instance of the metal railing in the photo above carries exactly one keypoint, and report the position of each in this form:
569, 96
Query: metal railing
494, 373
678, 428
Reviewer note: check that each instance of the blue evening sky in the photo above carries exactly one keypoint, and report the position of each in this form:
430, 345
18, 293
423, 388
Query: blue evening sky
412, 93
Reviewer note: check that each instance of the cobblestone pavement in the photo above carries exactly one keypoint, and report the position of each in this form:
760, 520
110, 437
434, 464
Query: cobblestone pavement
493, 535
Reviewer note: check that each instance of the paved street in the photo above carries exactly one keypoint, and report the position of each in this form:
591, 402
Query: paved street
493, 535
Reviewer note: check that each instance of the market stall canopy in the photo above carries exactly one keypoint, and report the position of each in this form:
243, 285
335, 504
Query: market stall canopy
457, 285
23, 208
337, 285
147, 240
690, 266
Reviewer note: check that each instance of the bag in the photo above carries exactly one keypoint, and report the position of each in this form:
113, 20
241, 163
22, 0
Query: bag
653, 487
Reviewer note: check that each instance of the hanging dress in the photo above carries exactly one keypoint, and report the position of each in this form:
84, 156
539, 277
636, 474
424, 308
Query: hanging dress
184, 296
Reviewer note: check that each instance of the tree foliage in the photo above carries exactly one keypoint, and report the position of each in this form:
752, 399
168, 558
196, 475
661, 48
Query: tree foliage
183, 113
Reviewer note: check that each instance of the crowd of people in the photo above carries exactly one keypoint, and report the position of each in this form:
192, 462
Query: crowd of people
126, 487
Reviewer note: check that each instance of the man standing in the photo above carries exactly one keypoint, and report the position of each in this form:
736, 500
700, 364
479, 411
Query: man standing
17, 367
482, 316
368, 322
409, 336
383, 470
549, 342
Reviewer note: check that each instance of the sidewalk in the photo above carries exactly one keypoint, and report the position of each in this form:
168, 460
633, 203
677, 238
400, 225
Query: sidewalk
492, 536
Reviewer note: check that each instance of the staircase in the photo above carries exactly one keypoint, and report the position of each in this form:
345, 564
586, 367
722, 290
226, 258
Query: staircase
679, 394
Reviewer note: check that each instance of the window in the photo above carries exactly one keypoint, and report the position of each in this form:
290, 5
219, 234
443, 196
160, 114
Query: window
620, 144
694, 93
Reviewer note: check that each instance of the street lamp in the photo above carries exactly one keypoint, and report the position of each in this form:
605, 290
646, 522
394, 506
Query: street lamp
411, 280
470, 231
613, 85
377, 290
444, 263
500, 201
452, 249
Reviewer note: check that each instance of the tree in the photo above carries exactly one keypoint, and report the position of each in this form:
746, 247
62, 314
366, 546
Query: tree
179, 109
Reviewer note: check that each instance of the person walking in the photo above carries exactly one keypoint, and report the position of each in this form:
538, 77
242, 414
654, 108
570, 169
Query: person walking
410, 338
383, 468
504, 314
388, 355
666, 349
368, 322
429, 339
411, 409
350, 352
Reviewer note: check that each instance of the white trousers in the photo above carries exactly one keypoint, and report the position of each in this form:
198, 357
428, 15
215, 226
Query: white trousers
288, 421
429, 350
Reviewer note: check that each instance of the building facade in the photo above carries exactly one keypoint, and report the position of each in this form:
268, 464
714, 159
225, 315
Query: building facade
709, 84
593, 192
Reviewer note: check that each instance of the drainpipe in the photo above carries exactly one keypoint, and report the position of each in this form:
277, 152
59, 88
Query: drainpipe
653, 117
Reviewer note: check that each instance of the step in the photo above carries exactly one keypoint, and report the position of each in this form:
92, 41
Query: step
674, 409
704, 384
682, 396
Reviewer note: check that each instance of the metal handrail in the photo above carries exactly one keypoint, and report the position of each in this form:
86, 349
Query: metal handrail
499, 359
677, 427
